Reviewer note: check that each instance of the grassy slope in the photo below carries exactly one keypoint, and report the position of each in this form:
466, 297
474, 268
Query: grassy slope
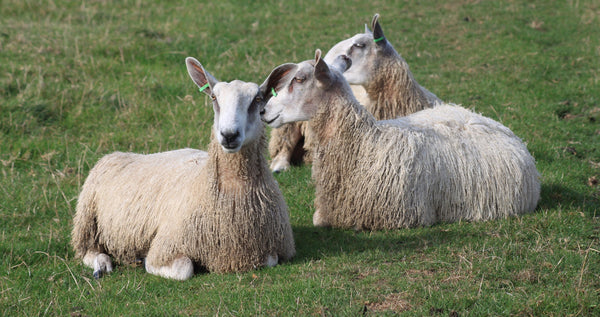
82, 79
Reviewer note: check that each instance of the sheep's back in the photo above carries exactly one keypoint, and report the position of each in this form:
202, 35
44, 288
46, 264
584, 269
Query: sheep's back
441, 164
482, 169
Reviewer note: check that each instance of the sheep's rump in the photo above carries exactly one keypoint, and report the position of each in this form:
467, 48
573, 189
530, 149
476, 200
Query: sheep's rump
441, 164
128, 196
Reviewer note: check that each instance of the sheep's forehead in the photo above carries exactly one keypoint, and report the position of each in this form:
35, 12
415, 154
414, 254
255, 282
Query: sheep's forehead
236, 93
361, 38
342, 47
305, 69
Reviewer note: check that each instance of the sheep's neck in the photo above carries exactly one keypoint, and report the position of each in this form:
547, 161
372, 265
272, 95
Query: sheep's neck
341, 123
395, 93
236, 172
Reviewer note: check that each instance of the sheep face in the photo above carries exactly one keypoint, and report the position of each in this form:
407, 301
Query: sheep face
363, 50
237, 121
236, 106
295, 91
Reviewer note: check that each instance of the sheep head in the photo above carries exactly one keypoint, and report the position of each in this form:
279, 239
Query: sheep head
236, 106
365, 50
295, 91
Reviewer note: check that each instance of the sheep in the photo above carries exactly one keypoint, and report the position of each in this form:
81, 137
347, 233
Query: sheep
381, 81
390, 86
220, 210
441, 164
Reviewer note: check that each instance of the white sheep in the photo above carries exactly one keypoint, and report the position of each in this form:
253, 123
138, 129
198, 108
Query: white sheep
221, 211
380, 80
389, 84
442, 164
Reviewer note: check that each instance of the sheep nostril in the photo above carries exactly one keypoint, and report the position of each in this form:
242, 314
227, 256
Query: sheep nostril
230, 136
262, 112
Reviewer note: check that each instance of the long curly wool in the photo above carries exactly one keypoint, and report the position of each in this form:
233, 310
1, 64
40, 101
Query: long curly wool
393, 90
438, 165
223, 211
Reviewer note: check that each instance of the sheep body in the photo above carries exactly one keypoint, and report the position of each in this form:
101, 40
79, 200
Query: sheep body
438, 165
184, 202
442, 164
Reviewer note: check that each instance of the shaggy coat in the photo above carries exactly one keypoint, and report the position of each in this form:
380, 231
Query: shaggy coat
223, 211
439, 165
442, 164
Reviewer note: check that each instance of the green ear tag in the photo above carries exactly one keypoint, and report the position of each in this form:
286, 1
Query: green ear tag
203, 87
273, 92
379, 39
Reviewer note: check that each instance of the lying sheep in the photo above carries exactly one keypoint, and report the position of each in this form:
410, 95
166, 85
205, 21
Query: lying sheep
381, 81
385, 76
442, 164
220, 210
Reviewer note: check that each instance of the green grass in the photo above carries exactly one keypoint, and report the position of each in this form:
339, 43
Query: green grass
79, 80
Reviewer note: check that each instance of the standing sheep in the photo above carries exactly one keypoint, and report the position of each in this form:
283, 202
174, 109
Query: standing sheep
442, 164
381, 81
220, 210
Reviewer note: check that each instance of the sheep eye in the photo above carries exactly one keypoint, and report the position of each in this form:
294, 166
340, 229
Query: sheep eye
298, 80
258, 99
358, 45
213, 97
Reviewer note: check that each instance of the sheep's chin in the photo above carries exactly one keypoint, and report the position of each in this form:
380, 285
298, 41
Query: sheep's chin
231, 150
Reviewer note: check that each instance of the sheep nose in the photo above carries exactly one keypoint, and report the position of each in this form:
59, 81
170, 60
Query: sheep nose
230, 136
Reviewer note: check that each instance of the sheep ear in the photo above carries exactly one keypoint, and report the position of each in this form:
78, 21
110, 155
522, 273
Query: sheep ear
275, 80
367, 30
203, 79
378, 35
322, 72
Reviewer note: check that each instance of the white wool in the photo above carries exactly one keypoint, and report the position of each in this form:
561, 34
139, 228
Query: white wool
442, 164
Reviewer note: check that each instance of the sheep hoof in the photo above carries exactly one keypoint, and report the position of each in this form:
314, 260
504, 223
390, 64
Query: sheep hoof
279, 164
99, 262
271, 260
181, 268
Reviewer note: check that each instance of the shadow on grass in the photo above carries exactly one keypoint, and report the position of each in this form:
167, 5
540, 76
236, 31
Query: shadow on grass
314, 243
556, 195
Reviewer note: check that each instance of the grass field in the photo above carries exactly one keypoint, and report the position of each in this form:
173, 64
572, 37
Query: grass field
81, 79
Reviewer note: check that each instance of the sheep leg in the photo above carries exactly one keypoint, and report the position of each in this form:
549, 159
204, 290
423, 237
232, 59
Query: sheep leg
319, 219
181, 268
282, 144
100, 262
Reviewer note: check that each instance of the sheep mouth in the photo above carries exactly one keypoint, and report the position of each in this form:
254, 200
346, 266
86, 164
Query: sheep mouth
230, 147
270, 121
